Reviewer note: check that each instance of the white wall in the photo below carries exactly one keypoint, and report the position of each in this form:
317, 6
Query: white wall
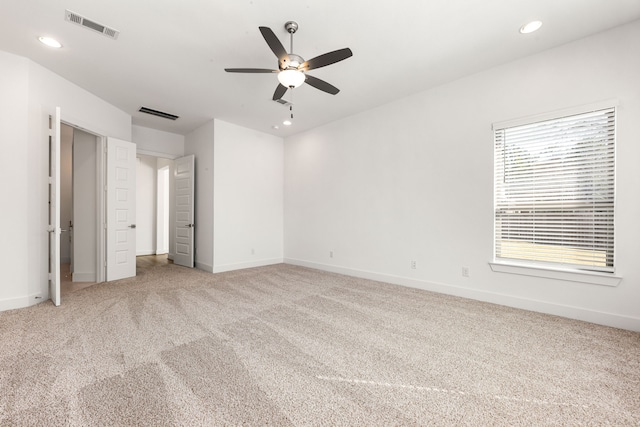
14, 126
200, 143
85, 217
157, 143
413, 180
146, 200
248, 198
29, 94
239, 190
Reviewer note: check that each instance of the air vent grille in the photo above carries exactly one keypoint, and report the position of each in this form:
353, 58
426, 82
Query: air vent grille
158, 113
92, 25
283, 102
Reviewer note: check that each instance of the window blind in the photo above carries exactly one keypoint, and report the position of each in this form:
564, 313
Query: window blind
554, 191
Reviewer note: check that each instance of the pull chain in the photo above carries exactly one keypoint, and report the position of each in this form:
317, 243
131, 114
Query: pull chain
291, 105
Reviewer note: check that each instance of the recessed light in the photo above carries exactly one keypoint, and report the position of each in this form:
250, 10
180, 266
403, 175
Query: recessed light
275, 127
287, 123
50, 42
530, 27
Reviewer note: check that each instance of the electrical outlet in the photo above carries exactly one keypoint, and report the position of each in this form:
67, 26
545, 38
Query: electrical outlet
330, 254
465, 271
413, 265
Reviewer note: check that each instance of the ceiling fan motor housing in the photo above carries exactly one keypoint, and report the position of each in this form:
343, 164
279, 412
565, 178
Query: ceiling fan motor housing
292, 62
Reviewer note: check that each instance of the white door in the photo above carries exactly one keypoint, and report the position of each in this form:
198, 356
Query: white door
54, 207
183, 224
121, 209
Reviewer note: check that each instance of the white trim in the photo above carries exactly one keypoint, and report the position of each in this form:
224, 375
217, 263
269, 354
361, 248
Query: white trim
242, 265
158, 154
145, 252
591, 277
101, 208
571, 111
202, 266
601, 318
83, 277
22, 302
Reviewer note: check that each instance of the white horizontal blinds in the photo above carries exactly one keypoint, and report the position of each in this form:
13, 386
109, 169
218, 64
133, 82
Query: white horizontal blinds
554, 191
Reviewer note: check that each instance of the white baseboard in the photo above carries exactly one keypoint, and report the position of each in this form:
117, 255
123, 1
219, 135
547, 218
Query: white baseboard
22, 302
144, 252
83, 277
578, 313
205, 267
242, 265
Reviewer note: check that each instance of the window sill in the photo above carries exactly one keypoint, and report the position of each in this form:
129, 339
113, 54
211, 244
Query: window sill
590, 277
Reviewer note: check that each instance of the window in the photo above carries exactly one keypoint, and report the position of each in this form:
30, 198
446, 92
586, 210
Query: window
554, 191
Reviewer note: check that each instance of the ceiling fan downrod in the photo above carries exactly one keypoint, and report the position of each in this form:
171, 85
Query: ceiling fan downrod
291, 27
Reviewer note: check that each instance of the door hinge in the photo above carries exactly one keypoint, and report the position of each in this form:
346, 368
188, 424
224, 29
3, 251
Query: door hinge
50, 228
50, 276
50, 180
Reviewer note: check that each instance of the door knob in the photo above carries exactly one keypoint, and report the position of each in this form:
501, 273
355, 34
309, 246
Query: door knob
190, 225
132, 226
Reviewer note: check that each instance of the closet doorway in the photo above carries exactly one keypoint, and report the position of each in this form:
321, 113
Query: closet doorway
152, 204
79, 221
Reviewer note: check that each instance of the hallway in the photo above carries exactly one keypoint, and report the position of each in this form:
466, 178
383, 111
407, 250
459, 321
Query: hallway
143, 263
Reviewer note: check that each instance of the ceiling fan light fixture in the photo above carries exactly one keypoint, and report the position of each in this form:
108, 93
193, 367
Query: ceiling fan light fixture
291, 78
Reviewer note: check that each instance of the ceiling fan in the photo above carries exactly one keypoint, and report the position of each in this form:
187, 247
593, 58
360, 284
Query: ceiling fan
292, 68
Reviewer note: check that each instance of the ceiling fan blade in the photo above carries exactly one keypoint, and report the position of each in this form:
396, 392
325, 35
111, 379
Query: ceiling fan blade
326, 59
274, 44
249, 70
321, 84
279, 93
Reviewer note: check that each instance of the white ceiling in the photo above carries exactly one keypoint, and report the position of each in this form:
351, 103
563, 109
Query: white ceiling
170, 55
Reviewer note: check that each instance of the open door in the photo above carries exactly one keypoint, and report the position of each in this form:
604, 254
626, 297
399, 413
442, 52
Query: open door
121, 209
183, 223
54, 207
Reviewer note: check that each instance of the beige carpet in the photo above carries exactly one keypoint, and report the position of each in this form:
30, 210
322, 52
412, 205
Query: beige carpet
285, 345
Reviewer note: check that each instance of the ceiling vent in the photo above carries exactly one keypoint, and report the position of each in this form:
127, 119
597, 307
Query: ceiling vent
283, 102
158, 113
92, 25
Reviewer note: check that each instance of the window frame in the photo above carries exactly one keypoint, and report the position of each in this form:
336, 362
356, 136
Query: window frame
552, 270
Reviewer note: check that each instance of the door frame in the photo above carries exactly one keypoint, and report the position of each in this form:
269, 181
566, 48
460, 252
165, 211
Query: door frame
101, 257
173, 157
